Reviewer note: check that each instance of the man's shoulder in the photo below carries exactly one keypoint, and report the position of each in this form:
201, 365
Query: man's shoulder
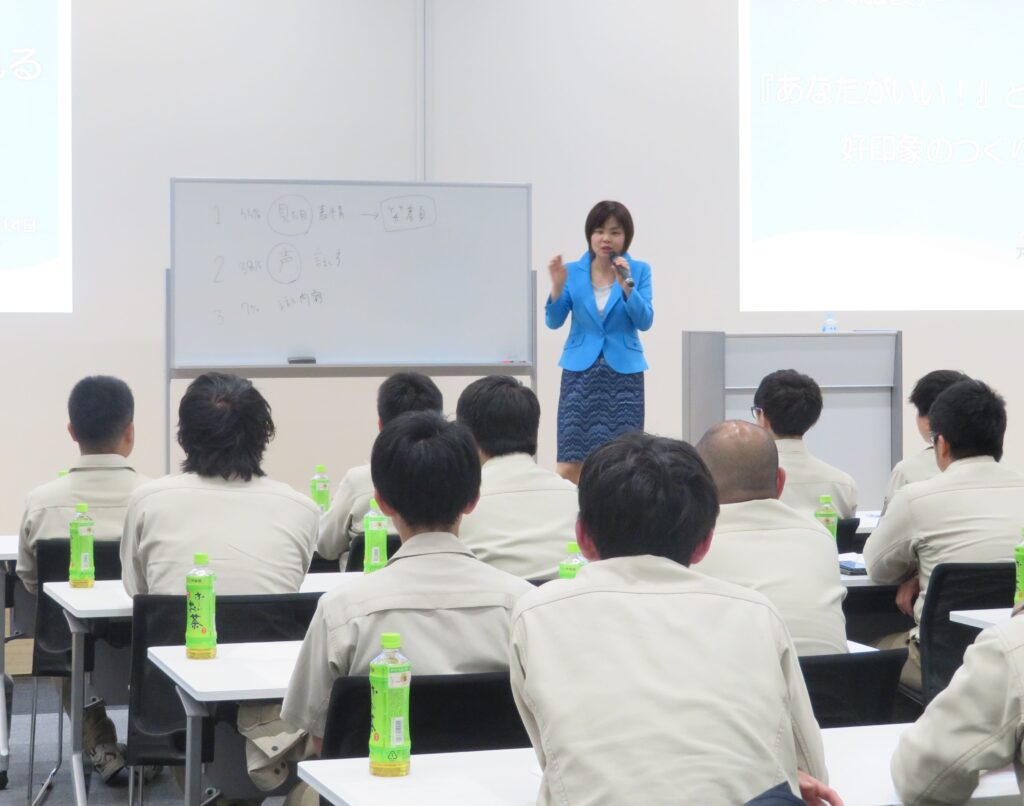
358, 477
55, 492
519, 473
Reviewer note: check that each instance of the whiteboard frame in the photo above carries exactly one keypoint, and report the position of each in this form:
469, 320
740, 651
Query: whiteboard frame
526, 368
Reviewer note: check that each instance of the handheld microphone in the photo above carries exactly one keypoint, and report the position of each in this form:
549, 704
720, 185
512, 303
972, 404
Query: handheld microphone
626, 278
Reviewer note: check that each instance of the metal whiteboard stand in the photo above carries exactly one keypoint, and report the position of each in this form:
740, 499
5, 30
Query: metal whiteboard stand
861, 379
521, 369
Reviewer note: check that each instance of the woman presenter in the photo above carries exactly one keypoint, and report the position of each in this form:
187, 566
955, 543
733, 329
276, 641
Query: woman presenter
609, 296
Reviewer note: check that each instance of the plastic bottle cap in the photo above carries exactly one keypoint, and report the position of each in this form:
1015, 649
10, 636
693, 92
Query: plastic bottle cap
81, 508
321, 468
572, 547
390, 640
202, 558
825, 499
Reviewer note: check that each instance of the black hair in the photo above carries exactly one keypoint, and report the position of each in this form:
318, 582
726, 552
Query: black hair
407, 391
426, 468
503, 415
100, 408
599, 215
642, 494
224, 425
971, 417
791, 402
931, 386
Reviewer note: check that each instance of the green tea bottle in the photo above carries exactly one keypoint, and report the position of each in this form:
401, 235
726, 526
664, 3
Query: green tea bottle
1018, 556
320, 488
573, 562
390, 675
375, 530
200, 610
827, 515
82, 567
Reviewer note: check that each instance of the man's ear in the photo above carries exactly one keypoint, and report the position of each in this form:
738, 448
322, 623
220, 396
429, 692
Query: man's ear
587, 547
702, 549
943, 453
780, 482
471, 505
71, 432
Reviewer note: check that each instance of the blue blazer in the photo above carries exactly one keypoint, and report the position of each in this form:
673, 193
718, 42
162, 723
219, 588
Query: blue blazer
616, 334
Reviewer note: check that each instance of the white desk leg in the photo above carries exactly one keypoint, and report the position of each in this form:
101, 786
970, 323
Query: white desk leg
78, 632
194, 714
5, 748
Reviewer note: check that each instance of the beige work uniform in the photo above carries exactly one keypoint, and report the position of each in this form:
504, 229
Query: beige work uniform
809, 478
975, 724
344, 517
259, 534
792, 560
525, 517
104, 481
919, 467
451, 610
643, 681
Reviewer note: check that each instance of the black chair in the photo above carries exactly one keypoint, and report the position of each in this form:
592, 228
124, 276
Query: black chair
846, 535
358, 549
51, 650
858, 688
321, 565
156, 717
780, 795
448, 713
957, 586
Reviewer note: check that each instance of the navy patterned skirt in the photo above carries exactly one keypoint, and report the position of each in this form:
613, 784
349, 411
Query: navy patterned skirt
595, 406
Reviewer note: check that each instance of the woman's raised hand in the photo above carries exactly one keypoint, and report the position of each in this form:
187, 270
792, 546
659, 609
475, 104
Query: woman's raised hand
558, 272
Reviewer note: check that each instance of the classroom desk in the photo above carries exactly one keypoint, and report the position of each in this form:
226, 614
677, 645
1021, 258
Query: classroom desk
253, 671
8, 552
982, 619
857, 758
107, 599
855, 580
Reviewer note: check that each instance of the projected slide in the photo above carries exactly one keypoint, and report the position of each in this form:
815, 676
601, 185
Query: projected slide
881, 155
35, 156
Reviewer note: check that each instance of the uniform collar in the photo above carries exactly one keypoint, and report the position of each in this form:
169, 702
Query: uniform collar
971, 460
790, 445
430, 543
759, 514
506, 460
100, 460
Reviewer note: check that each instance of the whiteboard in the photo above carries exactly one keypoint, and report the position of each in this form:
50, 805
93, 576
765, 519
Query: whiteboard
269, 273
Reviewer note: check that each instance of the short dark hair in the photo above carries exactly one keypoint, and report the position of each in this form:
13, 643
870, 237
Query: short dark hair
971, 417
502, 413
791, 402
642, 494
224, 425
931, 386
407, 391
426, 468
100, 408
599, 215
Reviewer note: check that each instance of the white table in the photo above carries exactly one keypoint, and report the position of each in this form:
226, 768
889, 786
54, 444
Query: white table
857, 759
8, 551
855, 580
982, 619
107, 599
254, 671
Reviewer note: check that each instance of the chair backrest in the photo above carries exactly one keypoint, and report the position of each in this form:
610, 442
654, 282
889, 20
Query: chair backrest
156, 719
321, 565
858, 688
358, 548
957, 586
846, 534
448, 713
51, 650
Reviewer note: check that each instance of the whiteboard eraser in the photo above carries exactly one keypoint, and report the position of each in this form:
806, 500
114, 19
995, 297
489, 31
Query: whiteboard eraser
302, 359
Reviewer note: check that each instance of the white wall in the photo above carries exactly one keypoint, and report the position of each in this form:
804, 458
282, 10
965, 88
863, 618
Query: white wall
585, 99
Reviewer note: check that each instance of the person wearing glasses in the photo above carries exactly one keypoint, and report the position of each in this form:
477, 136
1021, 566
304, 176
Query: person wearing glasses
972, 512
787, 404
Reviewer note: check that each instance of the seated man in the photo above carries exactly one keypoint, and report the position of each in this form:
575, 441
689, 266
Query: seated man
526, 514
761, 543
971, 512
101, 412
921, 466
647, 681
972, 726
259, 533
451, 609
787, 404
401, 392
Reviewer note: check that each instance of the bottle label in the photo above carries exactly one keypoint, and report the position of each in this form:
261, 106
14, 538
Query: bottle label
81, 566
389, 713
200, 604
829, 521
1018, 555
567, 570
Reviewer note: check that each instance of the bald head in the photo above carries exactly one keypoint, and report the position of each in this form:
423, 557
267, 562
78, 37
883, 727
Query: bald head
743, 461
